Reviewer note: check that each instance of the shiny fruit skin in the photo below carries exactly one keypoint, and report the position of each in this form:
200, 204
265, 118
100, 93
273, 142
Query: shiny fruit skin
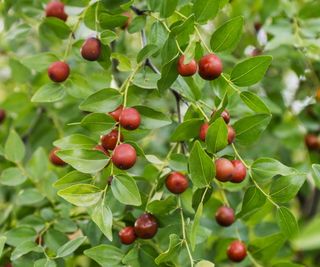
2, 115
130, 118
116, 113
124, 156
55, 160
56, 9
224, 169
128, 21
210, 67
225, 115
101, 148
58, 71
127, 235
312, 142
146, 226
109, 141
177, 183
231, 134
91, 49
188, 69
237, 251
203, 131
239, 172
225, 216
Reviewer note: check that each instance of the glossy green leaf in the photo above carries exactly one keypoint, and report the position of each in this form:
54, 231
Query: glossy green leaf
54, 26
248, 129
201, 166
175, 245
105, 255
169, 74
217, 136
23, 249
250, 71
102, 216
228, 35
105, 100
75, 141
108, 21
107, 36
98, 122
14, 149
12, 177
124, 189
254, 102
86, 161
167, 7
152, 119
195, 226
29, 197
287, 222
146, 52
70, 247
205, 10
72, 178
187, 130
50, 92
161, 207
39, 62
137, 24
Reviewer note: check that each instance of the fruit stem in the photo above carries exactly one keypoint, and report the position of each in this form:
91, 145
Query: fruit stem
239, 157
230, 83
185, 241
252, 259
202, 40
203, 113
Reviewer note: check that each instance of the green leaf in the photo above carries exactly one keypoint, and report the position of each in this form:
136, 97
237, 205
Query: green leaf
98, 122
54, 26
23, 249
12, 177
107, 36
309, 236
217, 136
50, 92
82, 195
124, 62
70, 247
105, 255
253, 200
38, 165
248, 129
45, 263
161, 207
228, 35
124, 189
167, 8
285, 188
20, 234
3, 240
39, 62
316, 174
108, 21
287, 264
205, 10
75, 141
221, 107
14, 149
250, 71
185, 27
29, 197
287, 222
187, 130
84, 160
147, 52
146, 80
201, 166
195, 226
137, 24
72, 178
152, 119
254, 102
263, 169
175, 245
169, 74
103, 101
204, 263
102, 216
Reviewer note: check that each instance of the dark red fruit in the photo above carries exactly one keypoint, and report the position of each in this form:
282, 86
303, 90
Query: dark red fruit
203, 131
177, 183
146, 226
2, 115
91, 49
224, 169
239, 172
55, 160
231, 134
256, 52
187, 69
58, 71
225, 216
257, 26
312, 142
225, 115
127, 235
237, 251
56, 9
116, 113
130, 118
128, 21
109, 141
210, 67
124, 156
101, 148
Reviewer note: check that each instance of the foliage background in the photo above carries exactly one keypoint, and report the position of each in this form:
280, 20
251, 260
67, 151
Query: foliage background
29, 204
